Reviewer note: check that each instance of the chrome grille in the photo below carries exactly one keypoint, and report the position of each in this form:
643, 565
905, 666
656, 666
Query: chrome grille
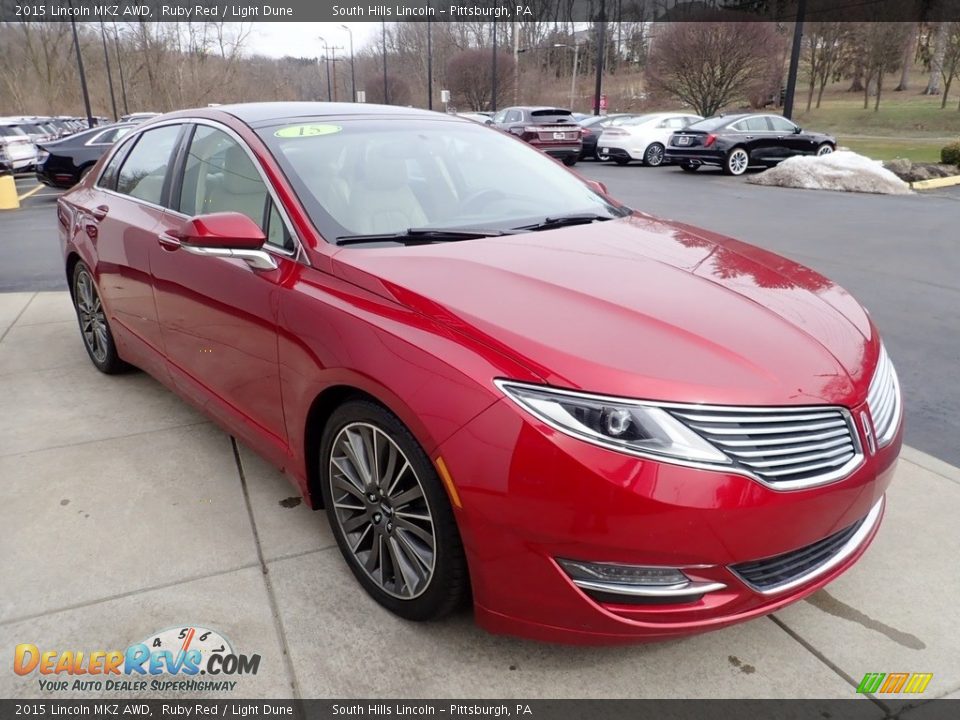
883, 399
785, 447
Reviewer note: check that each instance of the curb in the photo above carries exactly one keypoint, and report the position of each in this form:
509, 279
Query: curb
929, 462
936, 183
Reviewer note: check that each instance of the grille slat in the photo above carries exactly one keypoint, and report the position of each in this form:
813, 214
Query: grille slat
781, 569
786, 447
884, 401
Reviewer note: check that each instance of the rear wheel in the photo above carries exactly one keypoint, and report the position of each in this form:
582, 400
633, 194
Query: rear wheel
689, 167
621, 161
570, 160
737, 162
654, 155
390, 514
94, 327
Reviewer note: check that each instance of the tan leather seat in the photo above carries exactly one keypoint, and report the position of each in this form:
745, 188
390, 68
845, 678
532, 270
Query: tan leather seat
382, 201
240, 188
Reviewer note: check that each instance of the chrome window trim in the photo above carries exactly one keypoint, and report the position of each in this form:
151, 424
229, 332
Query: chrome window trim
297, 254
733, 468
851, 546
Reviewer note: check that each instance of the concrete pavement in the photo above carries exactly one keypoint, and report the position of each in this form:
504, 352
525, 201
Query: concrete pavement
126, 512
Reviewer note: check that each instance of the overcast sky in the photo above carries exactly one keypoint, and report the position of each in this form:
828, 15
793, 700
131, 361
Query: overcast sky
277, 39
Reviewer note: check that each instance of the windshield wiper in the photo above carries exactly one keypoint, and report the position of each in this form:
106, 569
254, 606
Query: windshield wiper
422, 235
565, 220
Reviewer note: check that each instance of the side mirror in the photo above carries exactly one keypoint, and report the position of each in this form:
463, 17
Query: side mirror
224, 235
221, 230
797, 130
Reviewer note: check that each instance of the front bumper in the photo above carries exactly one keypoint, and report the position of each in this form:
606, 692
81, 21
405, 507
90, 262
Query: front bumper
533, 495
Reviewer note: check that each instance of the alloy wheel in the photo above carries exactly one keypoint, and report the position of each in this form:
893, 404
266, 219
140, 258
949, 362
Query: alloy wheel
824, 150
382, 510
654, 155
93, 322
738, 161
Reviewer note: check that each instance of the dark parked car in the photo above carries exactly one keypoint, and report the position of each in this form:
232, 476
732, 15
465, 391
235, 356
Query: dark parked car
553, 130
737, 142
61, 164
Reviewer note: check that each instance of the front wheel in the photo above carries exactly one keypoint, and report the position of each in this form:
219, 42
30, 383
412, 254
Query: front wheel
390, 513
737, 162
825, 149
94, 327
653, 157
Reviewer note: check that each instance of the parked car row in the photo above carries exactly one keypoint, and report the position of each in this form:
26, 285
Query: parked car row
25, 141
734, 143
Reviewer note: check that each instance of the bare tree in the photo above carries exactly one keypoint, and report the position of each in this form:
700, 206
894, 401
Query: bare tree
936, 58
825, 54
909, 53
950, 67
469, 76
710, 65
879, 47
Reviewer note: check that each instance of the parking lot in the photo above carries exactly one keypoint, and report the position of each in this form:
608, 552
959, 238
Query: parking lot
127, 512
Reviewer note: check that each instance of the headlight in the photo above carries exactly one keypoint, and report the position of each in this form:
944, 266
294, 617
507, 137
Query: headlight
624, 425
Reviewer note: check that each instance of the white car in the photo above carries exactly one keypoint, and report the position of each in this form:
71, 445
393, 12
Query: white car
17, 151
643, 137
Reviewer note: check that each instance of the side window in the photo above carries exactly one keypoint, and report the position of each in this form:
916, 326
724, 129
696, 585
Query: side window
757, 124
514, 116
145, 167
220, 177
277, 233
782, 124
108, 178
500, 116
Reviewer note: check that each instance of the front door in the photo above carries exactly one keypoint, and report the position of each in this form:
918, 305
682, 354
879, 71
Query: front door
219, 315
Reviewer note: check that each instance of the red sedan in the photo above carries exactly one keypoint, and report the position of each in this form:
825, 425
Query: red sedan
502, 386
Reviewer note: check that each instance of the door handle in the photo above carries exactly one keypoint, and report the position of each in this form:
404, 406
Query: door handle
100, 212
168, 242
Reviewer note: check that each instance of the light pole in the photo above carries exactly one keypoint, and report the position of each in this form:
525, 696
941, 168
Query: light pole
326, 62
83, 74
493, 99
576, 57
106, 61
429, 66
601, 26
353, 73
123, 85
383, 39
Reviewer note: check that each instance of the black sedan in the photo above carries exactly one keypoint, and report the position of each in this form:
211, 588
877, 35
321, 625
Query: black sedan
738, 142
62, 163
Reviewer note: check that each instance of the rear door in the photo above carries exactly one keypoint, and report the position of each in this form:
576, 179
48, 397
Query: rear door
791, 142
121, 220
758, 137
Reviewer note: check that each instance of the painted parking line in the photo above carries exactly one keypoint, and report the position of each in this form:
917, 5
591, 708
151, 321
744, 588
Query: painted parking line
31, 193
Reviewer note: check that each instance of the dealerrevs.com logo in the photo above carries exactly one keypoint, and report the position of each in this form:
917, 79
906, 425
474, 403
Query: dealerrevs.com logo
183, 659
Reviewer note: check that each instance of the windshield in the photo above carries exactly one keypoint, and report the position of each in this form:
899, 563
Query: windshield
358, 177
710, 123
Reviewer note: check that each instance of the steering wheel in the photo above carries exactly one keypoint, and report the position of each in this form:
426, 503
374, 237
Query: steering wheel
486, 195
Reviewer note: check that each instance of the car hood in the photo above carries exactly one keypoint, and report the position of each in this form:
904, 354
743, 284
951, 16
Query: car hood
642, 308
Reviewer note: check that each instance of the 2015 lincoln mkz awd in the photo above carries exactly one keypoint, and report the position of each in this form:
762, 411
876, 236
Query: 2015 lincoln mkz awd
502, 384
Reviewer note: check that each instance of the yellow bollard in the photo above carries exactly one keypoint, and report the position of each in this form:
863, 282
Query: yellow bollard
8, 193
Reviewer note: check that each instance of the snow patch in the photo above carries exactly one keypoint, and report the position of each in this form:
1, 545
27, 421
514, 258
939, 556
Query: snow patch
843, 171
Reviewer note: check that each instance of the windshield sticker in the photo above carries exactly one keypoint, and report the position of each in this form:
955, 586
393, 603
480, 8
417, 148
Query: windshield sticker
307, 131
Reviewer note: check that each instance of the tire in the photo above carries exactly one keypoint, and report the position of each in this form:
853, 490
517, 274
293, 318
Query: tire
689, 167
621, 161
423, 584
737, 162
653, 157
825, 149
94, 326
570, 160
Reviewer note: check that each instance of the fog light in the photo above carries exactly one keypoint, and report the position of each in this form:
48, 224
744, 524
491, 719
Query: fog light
622, 574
